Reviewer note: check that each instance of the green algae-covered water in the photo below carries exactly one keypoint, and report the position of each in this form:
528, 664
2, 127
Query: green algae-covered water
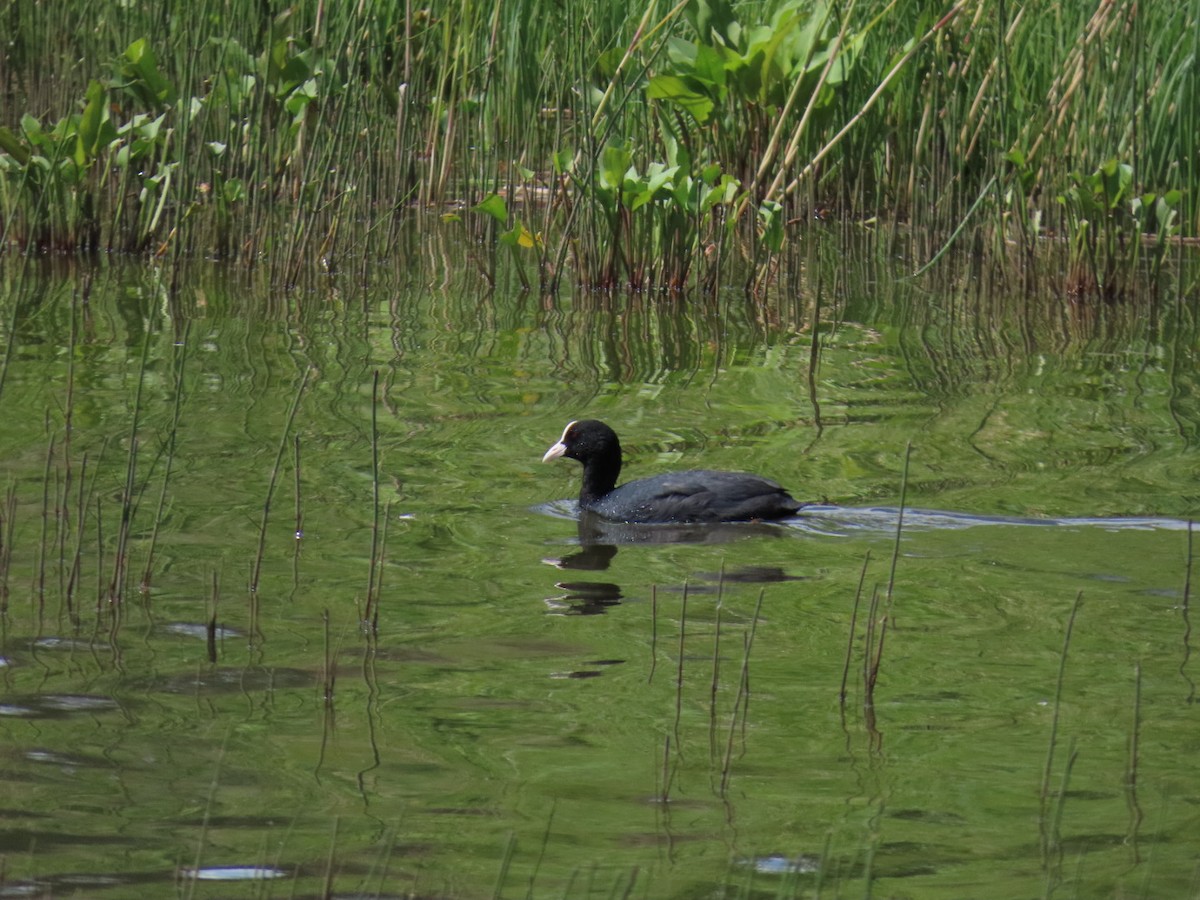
292, 608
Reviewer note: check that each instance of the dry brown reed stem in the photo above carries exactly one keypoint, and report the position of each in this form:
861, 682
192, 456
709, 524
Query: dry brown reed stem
879, 91
772, 148
640, 36
1058, 98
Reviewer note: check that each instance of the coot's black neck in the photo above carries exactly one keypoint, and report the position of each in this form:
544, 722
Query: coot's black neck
599, 476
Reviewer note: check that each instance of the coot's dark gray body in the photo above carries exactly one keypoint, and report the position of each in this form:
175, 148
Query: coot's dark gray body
699, 495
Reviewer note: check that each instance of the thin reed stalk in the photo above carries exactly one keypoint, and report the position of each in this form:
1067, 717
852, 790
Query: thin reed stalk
361, 118
39, 586
679, 665
116, 585
668, 772
1136, 815
716, 664
542, 851
256, 567
298, 533
1186, 617
899, 524
193, 875
331, 860
172, 439
862, 577
329, 665
741, 702
510, 851
371, 610
1044, 824
8, 518
653, 632
214, 604
1052, 859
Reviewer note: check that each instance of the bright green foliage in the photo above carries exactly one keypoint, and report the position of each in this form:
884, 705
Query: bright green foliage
311, 132
139, 74
516, 235
732, 68
1106, 222
656, 223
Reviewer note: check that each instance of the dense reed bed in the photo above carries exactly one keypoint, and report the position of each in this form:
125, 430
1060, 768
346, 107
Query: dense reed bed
602, 143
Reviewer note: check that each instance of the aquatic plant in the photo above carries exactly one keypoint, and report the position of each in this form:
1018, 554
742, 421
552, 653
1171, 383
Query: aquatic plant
1105, 223
306, 139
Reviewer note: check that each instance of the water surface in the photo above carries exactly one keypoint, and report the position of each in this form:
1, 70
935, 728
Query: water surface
547, 708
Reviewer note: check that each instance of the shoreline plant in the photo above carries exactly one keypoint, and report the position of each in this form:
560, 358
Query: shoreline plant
643, 148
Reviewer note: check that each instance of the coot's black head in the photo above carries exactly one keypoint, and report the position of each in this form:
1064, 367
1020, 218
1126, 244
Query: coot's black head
596, 446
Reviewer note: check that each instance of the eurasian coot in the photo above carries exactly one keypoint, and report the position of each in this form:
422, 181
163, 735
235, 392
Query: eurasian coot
695, 496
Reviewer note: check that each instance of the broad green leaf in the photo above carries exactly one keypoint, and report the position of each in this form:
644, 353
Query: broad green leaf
493, 205
520, 236
562, 161
614, 162
145, 78
678, 91
92, 135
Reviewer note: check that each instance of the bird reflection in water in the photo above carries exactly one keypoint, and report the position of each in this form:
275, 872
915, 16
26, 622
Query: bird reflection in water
600, 540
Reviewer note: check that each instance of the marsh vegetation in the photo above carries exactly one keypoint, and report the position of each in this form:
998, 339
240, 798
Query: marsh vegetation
294, 297
661, 147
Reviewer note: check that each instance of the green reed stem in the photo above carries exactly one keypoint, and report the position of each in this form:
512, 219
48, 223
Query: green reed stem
741, 702
862, 577
172, 439
679, 666
256, 569
116, 586
1044, 794
371, 612
1131, 767
653, 632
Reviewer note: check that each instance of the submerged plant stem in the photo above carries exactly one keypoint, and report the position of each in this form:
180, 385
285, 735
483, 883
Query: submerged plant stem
1043, 823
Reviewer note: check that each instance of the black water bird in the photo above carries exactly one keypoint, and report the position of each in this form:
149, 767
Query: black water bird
699, 495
